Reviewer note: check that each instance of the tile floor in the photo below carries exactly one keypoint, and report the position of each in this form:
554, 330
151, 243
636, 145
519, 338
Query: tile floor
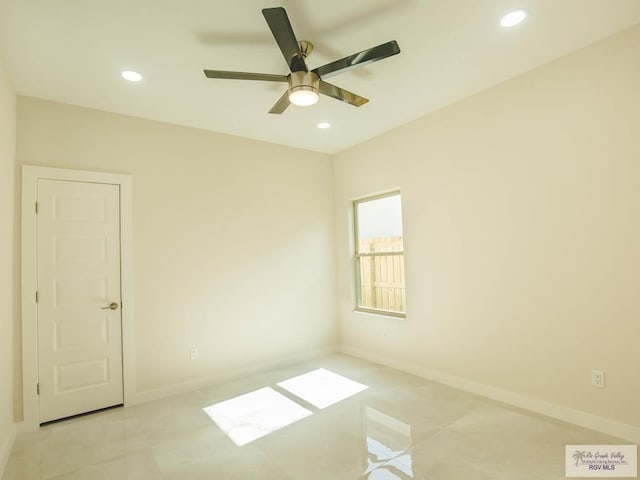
400, 427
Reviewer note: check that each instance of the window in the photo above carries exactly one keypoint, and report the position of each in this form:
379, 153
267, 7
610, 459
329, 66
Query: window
379, 255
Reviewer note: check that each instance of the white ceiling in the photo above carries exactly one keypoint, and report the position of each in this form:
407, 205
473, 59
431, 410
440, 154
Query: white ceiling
73, 51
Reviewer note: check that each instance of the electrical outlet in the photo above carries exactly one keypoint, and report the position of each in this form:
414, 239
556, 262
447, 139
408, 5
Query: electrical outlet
193, 351
597, 378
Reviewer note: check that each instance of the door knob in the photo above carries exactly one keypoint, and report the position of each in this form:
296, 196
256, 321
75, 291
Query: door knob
112, 306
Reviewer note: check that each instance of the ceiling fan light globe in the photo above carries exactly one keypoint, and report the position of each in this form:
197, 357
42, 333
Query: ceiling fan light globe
303, 96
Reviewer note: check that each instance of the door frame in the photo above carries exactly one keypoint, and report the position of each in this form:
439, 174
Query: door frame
30, 176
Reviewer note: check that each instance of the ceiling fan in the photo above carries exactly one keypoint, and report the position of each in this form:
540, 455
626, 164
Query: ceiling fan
305, 85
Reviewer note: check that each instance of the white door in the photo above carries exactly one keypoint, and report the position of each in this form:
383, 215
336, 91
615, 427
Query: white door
79, 319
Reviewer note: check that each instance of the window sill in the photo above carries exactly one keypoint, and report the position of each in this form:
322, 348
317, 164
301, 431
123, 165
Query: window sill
381, 313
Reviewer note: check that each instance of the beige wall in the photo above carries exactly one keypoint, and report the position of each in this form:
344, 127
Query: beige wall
233, 238
522, 234
7, 208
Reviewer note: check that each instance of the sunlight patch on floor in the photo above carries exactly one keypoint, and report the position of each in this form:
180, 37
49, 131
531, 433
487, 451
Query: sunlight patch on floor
322, 388
254, 415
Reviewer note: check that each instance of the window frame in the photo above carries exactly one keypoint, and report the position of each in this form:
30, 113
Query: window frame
357, 255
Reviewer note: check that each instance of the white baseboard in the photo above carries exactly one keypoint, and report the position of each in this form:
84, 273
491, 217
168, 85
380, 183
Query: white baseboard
191, 385
577, 417
6, 444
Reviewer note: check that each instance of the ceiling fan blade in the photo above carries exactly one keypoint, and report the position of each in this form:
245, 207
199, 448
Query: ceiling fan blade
282, 31
358, 59
342, 94
267, 77
282, 104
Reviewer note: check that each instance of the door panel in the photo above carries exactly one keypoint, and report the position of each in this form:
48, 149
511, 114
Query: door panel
79, 340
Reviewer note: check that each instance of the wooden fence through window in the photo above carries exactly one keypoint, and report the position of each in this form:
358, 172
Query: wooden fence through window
382, 284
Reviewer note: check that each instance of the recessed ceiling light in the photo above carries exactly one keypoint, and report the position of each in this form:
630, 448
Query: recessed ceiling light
324, 125
131, 76
513, 18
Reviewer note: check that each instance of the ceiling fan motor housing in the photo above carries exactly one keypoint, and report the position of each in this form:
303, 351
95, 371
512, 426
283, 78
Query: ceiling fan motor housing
304, 88
308, 81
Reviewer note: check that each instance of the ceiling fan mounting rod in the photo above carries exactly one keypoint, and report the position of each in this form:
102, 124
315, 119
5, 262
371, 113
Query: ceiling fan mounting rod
305, 48
298, 63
